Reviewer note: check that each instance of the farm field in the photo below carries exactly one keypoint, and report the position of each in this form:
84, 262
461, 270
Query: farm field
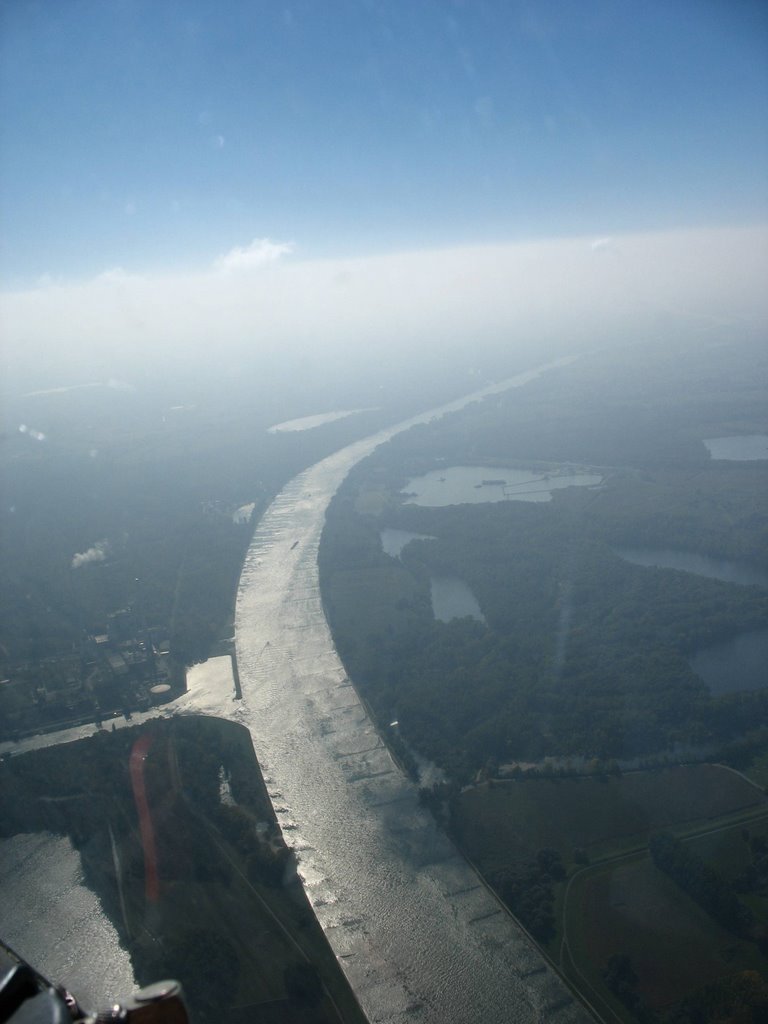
611, 898
674, 946
502, 822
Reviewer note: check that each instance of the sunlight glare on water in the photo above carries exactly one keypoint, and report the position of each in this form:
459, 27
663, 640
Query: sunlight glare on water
417, 934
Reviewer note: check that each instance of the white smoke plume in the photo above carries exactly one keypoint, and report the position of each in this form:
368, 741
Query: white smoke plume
95, 554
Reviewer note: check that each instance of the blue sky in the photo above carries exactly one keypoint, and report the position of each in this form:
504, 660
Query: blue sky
154, 135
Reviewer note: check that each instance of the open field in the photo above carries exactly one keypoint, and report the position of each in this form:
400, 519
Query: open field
727, 850
500, 823
620, 902
758, 769
731, 852
675, 947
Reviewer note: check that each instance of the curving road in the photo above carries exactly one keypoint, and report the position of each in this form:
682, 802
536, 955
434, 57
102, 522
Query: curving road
419, 937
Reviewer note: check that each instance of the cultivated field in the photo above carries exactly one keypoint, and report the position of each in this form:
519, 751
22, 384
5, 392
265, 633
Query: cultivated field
615, 900
499, 823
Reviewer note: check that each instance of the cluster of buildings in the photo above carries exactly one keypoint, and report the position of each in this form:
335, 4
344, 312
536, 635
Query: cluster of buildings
117, 670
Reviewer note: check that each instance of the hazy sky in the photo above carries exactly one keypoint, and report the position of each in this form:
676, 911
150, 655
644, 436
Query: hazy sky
151, 149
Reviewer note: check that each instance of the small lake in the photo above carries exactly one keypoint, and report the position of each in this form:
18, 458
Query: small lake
475, 485
738, 664
739, 448
393, 541
310, 422
699, 565
452, 599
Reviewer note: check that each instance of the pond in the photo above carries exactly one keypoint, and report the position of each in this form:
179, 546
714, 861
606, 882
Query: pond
739, 448
393, 541
452, 599
464, 485
699, 565
732, 665
310, 422
736, 664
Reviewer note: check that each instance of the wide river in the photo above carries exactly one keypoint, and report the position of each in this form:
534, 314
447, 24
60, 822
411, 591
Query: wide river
419, 937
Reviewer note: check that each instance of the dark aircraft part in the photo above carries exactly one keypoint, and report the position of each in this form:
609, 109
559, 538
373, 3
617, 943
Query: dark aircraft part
26, 997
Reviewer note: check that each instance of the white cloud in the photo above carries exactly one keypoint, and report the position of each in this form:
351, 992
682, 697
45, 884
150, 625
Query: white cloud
115, 275
600, 244
259, 253
95, 554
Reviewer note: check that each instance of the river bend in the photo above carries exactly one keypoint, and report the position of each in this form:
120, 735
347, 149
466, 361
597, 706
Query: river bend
417, 934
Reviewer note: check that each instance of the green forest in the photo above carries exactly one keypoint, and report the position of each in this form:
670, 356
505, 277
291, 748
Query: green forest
581, 654
592, 662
